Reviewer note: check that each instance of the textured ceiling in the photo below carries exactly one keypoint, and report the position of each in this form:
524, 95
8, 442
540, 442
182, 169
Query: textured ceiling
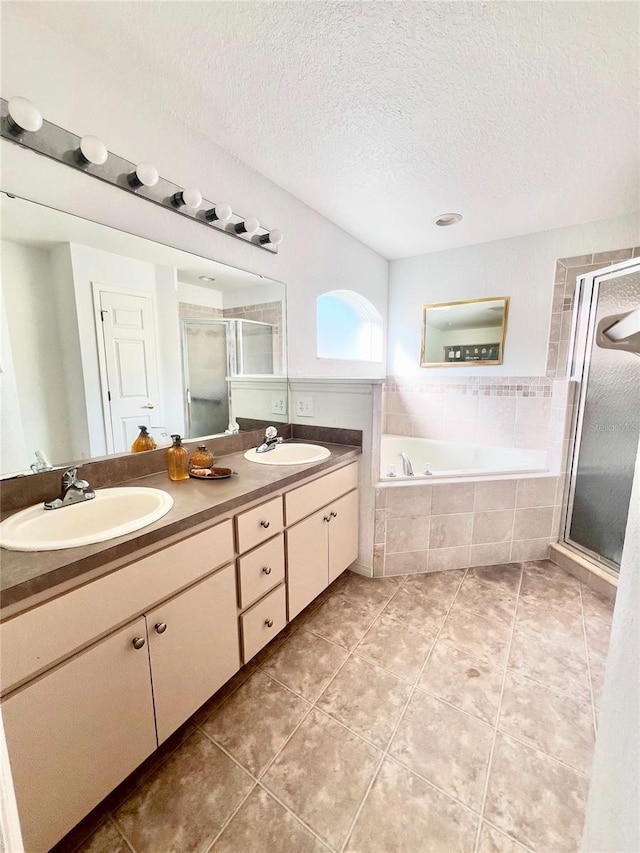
522, 116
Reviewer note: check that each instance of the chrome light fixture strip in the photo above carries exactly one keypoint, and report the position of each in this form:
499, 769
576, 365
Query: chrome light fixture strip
61, 145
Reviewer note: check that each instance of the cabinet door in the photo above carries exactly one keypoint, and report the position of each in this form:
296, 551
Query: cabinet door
343, 534
194, 648
78, 732
307, 561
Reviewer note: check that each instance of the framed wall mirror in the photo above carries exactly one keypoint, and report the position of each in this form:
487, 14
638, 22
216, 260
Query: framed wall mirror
460, 333
104, 331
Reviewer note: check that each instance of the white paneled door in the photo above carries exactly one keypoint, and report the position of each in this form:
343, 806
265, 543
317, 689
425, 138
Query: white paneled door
128, 364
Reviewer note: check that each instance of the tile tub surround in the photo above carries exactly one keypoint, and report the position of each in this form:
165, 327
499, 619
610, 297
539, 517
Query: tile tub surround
434, 527
442, 740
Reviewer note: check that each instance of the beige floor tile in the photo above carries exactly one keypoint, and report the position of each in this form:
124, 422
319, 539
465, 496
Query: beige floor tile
596, 606
544, 582
562, 625
106, 839
226, 690
479, 636
186, 802
597, 667
488, 600
366, 699
562, 668
439, 586
403, 814
535, 799
492, 841
598, 635
255, 721
395, 647
262, 825
462, 680
504, 577
322, 775
305, 664
340, 621
445, 746
370, 594
421, 611
548, 721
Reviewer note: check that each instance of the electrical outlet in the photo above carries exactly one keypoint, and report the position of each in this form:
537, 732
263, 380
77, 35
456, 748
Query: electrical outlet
278, 404
304, 407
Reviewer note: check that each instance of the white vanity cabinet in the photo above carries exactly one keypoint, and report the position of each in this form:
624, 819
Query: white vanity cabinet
323, 544
96, 678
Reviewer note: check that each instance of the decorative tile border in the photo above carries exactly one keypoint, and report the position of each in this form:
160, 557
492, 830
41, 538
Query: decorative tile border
510, 386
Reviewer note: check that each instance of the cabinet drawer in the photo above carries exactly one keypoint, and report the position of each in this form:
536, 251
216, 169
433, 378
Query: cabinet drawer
301, 502
47, 634
258, 524
263, 622
260, 570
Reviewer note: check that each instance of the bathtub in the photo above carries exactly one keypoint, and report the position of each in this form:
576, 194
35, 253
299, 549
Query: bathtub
454, 459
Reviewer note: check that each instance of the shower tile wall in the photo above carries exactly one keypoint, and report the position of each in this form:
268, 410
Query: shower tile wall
441, 526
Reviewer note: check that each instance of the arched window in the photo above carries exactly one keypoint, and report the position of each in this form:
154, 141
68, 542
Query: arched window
349, 327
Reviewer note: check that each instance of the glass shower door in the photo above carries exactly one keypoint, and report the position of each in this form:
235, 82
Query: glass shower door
206, 367
608, 425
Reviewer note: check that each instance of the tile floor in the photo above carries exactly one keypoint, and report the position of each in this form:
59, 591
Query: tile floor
445, 712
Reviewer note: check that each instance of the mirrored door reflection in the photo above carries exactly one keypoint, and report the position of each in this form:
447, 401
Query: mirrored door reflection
608, 431
206, 358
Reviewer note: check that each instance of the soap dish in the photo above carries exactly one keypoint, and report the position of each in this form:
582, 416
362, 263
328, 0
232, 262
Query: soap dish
211, 473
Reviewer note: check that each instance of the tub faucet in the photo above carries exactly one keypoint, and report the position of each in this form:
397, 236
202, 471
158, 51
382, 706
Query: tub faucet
74, 490
407, 467
271, 438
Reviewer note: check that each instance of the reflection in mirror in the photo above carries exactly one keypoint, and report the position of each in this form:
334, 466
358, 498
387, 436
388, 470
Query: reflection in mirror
456, 333
103, 332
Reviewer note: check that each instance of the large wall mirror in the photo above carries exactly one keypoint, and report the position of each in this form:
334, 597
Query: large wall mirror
460, 333
103, 331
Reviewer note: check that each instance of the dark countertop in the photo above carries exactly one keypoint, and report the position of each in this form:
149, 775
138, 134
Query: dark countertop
30, 577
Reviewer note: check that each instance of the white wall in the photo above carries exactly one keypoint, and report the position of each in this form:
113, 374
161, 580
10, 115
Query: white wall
613, 819
81, 97
195, 295
522, 268
34, 334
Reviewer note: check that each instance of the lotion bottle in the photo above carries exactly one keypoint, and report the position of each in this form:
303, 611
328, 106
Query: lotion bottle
143, 442
178, 460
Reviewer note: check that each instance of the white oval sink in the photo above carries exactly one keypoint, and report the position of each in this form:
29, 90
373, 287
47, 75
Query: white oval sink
289, 454
113, 512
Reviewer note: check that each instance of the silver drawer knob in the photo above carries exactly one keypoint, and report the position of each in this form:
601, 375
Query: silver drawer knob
327, 518
334, 514
264, 524
266, 570
138, 642
160, 627
268, 623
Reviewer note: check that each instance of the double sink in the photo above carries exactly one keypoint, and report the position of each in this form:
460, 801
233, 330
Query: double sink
116, 511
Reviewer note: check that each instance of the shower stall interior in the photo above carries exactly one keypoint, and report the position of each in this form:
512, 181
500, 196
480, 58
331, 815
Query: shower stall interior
212, 352
606, 364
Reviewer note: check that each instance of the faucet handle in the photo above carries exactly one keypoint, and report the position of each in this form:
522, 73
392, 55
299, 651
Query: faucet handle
270, 432
70, 476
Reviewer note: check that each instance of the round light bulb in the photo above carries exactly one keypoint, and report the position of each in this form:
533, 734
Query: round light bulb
221, 212
248, 227
275, 237
92, 150
23, 115
188, 197
144, 175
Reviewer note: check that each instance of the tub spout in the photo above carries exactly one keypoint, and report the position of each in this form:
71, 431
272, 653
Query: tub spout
407, 467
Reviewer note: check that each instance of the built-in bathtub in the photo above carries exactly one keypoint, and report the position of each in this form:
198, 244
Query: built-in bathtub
453, 459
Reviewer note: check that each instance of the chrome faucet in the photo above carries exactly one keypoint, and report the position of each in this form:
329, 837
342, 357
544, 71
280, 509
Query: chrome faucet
73, 491
271, 438
407, 467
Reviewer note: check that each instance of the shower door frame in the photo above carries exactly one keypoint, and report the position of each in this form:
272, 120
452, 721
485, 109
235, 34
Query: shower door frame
583, 330
231, 360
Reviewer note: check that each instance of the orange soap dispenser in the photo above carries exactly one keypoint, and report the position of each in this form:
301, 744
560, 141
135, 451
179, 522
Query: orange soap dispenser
178, 460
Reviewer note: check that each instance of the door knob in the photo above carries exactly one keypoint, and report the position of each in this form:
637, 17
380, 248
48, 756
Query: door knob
268, 623
160, 627
265, 524
148, 406
266, 570
138, 642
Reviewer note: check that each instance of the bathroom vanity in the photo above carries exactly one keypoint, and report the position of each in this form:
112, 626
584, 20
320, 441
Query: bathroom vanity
109, 648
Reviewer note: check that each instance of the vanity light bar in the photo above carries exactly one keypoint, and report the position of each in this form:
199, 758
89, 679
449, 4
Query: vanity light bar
22, 123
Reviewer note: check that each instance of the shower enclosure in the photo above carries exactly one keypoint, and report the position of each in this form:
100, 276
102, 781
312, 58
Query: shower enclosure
606, 363
213, 351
